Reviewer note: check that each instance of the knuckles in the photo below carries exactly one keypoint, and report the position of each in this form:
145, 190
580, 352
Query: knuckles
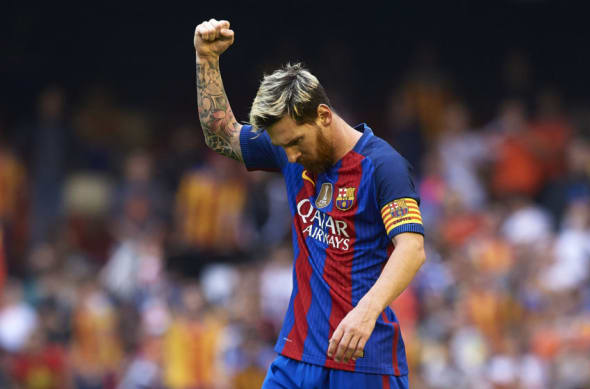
212, 27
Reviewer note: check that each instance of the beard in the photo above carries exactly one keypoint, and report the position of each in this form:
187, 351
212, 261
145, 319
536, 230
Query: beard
324, 158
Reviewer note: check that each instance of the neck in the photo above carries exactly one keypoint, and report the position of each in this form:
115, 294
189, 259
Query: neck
344, 137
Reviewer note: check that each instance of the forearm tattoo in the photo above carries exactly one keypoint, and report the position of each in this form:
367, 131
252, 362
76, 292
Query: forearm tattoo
220, 127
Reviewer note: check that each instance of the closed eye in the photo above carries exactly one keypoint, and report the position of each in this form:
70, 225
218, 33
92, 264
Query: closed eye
294, 142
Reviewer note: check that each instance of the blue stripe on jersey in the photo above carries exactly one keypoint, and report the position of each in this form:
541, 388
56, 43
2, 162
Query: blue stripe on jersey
293, 180
365, 267
401, 348
410, 227
380, 346
289, 317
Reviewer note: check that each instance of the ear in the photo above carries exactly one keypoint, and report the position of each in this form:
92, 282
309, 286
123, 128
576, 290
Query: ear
324, 115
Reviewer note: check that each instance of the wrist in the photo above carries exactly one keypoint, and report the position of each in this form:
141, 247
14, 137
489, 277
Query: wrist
371, 307
201, 59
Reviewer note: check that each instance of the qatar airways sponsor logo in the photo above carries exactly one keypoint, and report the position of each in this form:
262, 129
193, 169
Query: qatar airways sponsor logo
327, 230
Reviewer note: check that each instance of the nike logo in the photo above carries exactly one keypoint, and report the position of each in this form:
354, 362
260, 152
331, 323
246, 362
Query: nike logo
306, 177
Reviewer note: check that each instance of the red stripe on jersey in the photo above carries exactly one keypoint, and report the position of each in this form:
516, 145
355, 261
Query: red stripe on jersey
338, 264
385, 383
395, 340
296, 339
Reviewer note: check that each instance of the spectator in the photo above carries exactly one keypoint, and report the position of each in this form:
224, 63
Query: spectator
209, 213
463, 154
18, 319
46, 145
515, 171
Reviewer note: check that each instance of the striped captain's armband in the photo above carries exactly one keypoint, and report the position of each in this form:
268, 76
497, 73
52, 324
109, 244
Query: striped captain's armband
400, 212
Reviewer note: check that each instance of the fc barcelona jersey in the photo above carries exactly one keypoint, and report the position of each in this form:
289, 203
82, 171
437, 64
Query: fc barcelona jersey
343, 224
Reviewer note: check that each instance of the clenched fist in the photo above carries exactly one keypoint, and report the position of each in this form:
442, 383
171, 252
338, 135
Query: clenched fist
212, 38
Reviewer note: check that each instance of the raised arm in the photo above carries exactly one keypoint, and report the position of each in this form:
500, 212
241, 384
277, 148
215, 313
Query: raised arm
220, 127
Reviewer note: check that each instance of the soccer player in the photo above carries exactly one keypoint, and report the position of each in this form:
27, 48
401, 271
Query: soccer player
357, 229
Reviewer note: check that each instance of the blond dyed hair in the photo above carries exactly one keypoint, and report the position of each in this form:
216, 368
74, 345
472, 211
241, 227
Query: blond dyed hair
291, 90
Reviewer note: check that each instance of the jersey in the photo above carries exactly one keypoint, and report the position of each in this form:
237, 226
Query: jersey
343, 224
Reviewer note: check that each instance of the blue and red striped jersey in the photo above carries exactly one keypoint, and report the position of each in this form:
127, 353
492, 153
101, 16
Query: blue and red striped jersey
343, 224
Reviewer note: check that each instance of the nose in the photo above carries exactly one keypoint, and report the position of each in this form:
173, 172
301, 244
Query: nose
293, 155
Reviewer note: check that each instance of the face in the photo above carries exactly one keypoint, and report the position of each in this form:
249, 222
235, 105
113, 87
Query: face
306, 144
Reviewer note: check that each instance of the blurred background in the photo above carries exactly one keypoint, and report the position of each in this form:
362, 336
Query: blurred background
133, 257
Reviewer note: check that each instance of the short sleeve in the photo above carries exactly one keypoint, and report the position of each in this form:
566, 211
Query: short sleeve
396, 194
258, 151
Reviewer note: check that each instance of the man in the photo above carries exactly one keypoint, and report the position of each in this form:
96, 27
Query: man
352, 202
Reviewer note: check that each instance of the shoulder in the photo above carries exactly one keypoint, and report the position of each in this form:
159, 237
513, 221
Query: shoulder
383, 157
258, 152
391, 172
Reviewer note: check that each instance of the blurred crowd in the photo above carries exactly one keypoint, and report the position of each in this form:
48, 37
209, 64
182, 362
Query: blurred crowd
133, 257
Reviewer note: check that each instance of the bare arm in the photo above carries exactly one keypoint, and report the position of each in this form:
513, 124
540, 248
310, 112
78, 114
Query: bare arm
351, 335
220, 127
397, 274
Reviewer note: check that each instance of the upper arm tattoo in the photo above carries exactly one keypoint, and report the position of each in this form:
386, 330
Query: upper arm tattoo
220, 127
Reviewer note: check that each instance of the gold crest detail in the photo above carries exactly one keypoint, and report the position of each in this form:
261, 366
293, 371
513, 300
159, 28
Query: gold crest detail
325, 196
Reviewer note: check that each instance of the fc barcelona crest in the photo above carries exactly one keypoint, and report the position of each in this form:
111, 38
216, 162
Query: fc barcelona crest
398, 208
345, 198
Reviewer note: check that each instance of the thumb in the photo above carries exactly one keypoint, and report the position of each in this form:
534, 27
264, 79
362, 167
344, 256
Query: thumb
227, 33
